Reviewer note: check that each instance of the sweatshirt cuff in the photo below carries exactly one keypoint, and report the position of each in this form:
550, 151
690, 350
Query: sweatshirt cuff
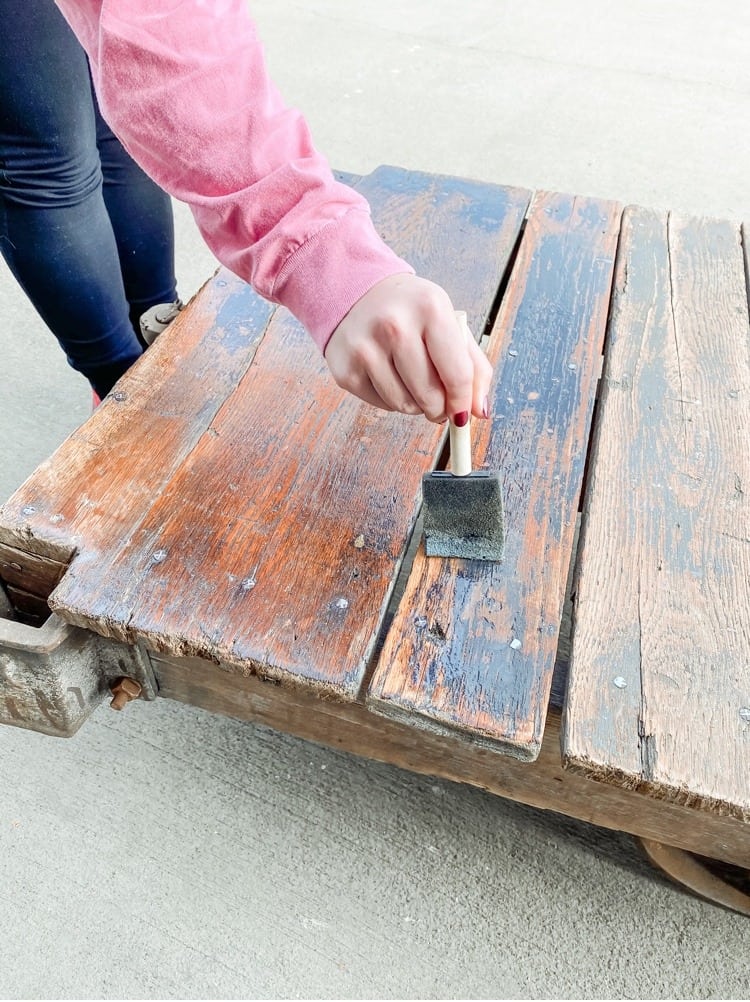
323, 279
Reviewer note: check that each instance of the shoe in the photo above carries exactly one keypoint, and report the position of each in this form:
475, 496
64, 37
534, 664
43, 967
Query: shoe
157, 319
153, 322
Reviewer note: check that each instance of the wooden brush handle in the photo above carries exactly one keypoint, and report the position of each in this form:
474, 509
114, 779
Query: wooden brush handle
460, 449
460, 438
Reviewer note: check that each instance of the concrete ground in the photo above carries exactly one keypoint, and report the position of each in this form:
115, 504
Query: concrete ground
169, 853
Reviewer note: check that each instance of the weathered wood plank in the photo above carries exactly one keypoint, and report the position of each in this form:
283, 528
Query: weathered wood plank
99, 484
275, 543
659, 693
34, 574
30, 608
544, 783
472, 646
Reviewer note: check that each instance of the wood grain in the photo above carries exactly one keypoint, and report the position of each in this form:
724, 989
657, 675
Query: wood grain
28, 608
273, 541
35, 574
349, 726
659, 696
93, 492
472, 646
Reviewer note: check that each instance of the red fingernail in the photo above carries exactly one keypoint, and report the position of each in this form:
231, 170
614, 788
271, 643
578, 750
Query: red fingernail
485, 408
461, 419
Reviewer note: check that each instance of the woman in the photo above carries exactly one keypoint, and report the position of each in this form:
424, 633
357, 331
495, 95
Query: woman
87, 234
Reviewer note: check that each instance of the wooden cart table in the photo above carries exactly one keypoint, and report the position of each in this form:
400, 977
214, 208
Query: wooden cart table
231, 530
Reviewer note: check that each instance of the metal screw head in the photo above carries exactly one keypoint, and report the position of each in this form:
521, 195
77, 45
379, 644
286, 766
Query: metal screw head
123, 690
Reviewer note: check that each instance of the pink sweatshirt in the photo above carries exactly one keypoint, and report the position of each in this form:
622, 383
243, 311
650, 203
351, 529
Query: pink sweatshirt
183, 84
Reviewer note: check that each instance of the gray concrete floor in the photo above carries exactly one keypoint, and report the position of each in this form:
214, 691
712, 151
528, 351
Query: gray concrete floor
169, 853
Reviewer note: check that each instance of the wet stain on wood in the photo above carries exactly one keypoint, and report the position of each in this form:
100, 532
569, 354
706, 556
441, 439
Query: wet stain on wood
488, 674
235, 504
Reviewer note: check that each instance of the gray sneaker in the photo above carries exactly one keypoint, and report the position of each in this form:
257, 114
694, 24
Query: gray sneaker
157, 319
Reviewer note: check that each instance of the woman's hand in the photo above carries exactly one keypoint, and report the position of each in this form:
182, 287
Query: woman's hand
401, 348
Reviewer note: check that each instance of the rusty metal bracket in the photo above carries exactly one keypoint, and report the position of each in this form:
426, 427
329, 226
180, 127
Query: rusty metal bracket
52, 677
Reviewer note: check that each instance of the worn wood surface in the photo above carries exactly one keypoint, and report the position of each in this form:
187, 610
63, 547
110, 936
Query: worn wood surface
28, 608
472, 645
544, 783
93, 493
270, 532
257, 558
29, 579
659, 696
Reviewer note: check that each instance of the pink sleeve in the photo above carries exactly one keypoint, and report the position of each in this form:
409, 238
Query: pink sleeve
183, 83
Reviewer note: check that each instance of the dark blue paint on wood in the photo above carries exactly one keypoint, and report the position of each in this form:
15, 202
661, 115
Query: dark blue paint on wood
258, 524
481, 658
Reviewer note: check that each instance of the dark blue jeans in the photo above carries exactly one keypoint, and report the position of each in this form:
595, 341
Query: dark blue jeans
87, 234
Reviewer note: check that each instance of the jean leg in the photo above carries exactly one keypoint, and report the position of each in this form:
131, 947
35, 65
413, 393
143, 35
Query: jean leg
143, 224
55, 232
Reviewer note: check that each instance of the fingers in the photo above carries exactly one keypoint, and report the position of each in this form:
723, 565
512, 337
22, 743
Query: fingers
402, 380
381, 385
401, 348
462, 368
392, 391
367, 392
449, 349
352, 377
420, 378
482, 380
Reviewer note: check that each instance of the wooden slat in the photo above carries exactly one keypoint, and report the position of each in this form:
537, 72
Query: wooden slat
348, 726
31, 609
34, 574
275, 542
659, 692
103, 479
472, 647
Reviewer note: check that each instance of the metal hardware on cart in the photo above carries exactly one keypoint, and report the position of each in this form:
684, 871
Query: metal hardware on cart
52, 677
